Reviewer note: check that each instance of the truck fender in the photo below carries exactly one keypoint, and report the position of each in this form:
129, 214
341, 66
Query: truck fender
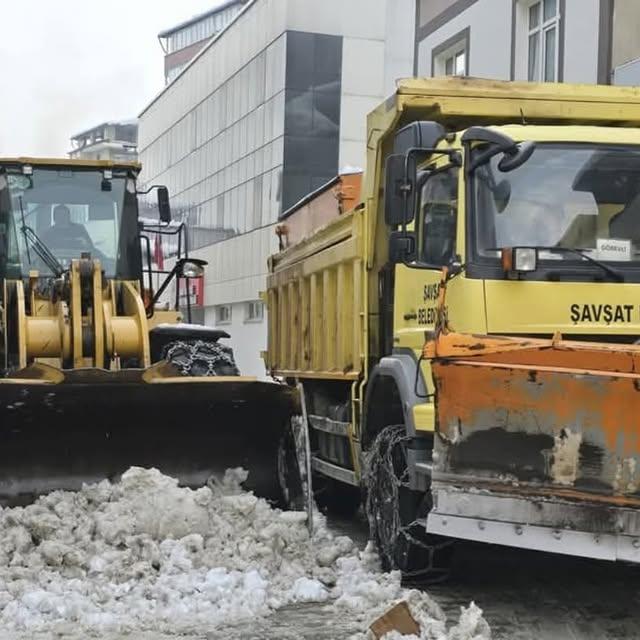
397, 370
391, 394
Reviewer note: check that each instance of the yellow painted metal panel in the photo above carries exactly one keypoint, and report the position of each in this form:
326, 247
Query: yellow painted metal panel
424, 416
344, 298
359, 316
305, 312
323, 322
575, 307
329, 308
316, 325
70, 163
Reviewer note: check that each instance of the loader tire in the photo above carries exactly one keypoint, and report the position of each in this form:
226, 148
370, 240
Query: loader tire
200, 358
397, 513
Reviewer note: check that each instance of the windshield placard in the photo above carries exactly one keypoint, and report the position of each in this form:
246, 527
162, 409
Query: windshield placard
613, 249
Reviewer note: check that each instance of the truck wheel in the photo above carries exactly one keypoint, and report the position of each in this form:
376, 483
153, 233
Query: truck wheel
200, 358
397, 514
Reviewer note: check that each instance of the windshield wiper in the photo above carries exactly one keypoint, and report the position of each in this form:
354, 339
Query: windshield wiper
619, 277
41, 249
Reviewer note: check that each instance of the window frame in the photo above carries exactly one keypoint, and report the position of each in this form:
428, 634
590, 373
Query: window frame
449, 50
541, 30
249, 317
520, 39
219, 309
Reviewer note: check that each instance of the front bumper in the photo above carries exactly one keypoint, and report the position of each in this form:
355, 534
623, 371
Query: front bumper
543, 523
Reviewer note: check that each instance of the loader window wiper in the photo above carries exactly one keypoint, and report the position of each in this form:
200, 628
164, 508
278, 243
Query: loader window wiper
41, 249
616, 275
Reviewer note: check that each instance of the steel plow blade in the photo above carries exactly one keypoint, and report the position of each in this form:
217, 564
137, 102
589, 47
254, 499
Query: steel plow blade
59, 429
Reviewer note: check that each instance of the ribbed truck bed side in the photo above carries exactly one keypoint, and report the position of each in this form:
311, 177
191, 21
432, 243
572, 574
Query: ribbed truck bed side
315, 302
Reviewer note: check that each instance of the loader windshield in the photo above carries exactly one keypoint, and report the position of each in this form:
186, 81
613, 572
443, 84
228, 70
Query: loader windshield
70, 212
575, 196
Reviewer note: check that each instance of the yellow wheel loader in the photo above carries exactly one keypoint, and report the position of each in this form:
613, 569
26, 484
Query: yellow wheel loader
95, 378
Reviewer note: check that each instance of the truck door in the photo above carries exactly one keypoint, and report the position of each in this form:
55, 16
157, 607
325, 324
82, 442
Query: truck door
416, 285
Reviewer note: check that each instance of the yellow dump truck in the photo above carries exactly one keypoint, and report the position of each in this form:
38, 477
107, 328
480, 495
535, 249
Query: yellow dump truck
507, 412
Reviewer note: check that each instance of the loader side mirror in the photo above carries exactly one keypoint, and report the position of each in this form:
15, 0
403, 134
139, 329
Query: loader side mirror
164, 208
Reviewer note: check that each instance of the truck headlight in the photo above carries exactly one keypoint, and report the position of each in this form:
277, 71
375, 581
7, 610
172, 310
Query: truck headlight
525, 259
519, 259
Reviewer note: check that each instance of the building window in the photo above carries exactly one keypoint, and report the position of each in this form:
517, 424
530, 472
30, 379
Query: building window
451, 58
254, 311
456, 64
542, 41
223, 314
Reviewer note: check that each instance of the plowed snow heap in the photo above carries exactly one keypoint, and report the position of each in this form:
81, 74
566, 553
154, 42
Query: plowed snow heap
147, 555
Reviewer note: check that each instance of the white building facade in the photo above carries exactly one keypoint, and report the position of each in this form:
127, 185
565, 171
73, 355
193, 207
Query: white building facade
271, 109
581, 41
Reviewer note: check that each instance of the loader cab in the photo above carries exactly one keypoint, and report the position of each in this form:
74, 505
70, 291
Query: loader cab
66, 210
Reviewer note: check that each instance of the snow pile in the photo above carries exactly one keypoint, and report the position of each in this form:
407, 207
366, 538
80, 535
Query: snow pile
146, 555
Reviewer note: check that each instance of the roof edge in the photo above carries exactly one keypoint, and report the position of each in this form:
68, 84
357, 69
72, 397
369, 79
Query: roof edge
200, 53
165, 33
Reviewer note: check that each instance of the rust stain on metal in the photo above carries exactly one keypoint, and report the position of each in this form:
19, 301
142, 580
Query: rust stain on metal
568, 493
564, 415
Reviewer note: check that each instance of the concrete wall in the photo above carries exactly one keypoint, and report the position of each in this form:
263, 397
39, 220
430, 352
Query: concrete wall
626, 27
247, 339
429, 9
489, 23
493, 53
581, 41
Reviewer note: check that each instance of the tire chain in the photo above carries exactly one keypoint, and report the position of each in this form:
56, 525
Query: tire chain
383, 488
201, 358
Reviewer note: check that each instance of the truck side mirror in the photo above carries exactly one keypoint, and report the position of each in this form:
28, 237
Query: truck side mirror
402, 247
400, 189
164, 208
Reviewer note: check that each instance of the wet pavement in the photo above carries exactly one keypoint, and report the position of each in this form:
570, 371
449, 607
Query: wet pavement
529, 595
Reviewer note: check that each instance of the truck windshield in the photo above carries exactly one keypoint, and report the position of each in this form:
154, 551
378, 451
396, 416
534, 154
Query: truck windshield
576, 196
68, 211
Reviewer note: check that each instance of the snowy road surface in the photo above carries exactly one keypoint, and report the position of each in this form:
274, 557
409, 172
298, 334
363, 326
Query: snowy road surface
146, 560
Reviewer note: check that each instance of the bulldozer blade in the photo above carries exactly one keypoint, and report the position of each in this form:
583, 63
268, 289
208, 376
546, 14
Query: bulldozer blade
60, 429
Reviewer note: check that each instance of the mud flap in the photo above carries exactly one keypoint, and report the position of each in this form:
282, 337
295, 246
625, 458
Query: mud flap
60, 429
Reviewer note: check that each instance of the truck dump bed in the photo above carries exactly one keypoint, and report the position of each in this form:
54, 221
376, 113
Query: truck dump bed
316, 303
